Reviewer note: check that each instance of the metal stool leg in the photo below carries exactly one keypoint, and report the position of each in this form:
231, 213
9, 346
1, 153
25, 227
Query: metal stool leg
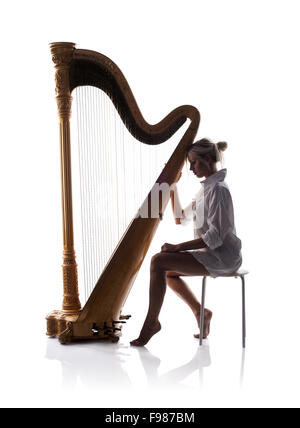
202, 310
243, 310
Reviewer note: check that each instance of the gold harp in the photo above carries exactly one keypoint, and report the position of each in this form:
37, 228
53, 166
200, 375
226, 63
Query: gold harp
101, 316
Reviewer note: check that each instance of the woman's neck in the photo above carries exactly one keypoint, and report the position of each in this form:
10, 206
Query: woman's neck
211, 171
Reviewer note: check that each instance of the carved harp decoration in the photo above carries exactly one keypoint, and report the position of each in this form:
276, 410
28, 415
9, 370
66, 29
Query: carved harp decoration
101, 315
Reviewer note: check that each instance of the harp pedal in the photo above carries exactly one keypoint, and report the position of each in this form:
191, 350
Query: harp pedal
125, 317
107, 329
95, 330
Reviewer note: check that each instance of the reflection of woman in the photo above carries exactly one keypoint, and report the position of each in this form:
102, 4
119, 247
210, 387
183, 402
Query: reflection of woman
216, 250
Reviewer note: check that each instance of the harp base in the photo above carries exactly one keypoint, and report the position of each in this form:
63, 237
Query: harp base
66, 328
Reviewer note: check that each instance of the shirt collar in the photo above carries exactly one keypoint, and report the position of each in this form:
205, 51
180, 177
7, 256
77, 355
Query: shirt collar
214, 178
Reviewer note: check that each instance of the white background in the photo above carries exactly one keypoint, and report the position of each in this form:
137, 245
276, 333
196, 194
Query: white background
238, 63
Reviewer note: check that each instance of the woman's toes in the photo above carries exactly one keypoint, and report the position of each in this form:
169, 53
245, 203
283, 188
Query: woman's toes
136, 342
146, 334
206, 327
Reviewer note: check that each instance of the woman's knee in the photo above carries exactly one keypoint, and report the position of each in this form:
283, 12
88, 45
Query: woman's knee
171, 274
157, 262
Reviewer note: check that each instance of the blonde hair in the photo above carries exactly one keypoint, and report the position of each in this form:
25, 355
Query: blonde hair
207, 147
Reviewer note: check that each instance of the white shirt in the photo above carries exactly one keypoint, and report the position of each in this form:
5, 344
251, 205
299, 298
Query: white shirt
213, 218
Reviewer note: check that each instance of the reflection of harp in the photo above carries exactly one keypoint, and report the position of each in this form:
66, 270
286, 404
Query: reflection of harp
101, 315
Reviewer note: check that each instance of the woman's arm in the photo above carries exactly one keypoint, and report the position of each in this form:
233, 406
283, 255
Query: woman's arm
220, 217
173, 195
195, 244
181, 216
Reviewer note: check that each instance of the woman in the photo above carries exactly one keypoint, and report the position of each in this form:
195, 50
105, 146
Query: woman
216, 250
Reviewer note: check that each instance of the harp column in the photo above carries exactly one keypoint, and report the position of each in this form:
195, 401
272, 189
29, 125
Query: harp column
62, 54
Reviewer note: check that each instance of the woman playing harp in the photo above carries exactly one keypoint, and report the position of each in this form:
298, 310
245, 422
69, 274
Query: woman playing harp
216, 250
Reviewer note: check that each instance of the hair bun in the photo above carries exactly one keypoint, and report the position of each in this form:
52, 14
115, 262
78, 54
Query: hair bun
222, 145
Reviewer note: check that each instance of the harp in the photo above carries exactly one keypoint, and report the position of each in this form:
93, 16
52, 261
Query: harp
101, 317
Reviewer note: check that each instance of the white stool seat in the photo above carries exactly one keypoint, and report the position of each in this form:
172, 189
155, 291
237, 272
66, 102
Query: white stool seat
238, 274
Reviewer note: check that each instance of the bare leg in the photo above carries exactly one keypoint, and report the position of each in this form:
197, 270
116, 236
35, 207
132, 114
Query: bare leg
185, 293
156, 297
185, 264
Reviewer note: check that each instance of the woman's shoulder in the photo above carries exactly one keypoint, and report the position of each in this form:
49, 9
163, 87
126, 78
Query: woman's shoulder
220, 191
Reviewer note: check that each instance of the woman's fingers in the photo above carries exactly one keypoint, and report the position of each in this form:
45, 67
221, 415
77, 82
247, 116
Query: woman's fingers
168, 248
179, 176
165, 247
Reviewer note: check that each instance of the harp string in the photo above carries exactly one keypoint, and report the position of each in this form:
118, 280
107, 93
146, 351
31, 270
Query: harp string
115, 174
82, 248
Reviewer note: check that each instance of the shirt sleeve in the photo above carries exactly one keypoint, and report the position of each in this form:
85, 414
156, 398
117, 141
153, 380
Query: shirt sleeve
219, 217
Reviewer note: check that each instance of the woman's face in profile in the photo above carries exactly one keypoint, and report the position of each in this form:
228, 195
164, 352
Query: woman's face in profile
198, 165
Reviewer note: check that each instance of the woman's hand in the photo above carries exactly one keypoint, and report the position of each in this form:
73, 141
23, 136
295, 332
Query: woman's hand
169, 248
179, 176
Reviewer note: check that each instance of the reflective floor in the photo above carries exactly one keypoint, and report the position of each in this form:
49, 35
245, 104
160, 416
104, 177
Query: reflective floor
117, 365
172, 370
166, 373
151, 376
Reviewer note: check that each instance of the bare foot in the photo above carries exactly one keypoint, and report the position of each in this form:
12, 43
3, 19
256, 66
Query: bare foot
207, 318
145, 335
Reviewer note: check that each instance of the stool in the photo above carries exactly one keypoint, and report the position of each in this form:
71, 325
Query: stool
239, 274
